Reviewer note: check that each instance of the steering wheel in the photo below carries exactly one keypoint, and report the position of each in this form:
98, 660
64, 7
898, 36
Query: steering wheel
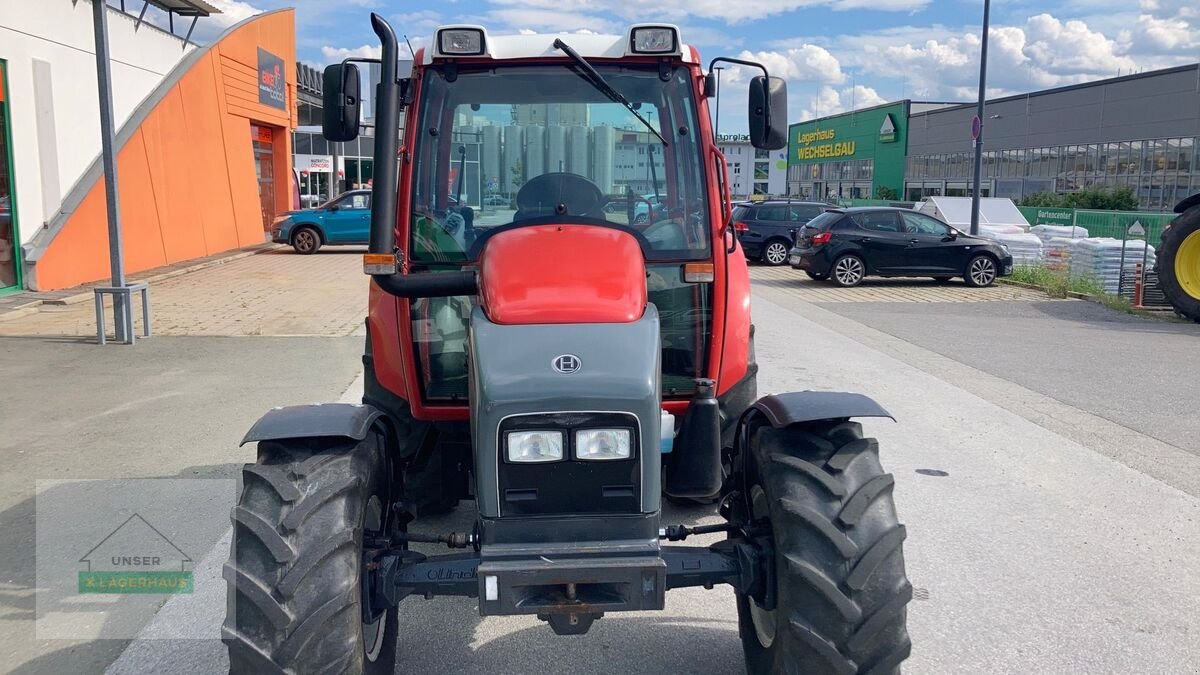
559, 194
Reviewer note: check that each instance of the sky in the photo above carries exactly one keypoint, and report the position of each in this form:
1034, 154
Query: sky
836, 55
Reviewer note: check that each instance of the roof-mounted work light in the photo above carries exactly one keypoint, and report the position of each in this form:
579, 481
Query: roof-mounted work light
461, 41
654, 40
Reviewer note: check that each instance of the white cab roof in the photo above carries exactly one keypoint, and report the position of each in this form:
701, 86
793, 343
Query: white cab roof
541, 45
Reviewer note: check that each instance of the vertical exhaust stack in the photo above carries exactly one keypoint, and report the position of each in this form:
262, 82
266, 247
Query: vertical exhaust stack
387, 141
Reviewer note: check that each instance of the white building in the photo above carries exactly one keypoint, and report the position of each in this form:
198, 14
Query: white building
753, 172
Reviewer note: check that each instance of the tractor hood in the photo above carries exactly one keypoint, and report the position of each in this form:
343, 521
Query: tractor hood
562, 274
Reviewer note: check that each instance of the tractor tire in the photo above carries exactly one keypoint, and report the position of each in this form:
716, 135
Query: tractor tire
841, 589
295, 569
1178, 264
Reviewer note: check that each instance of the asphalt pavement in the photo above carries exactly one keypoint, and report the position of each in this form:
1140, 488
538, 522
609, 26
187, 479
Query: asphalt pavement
167, 408
1039, 550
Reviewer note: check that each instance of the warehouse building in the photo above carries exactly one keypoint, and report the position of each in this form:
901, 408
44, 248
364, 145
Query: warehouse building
854, 155
179, 199
1140, 131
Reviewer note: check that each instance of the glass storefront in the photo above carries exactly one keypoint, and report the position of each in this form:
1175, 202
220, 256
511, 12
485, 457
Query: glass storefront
10, 260
1161, 172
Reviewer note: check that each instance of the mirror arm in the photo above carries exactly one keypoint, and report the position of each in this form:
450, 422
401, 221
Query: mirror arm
766, 87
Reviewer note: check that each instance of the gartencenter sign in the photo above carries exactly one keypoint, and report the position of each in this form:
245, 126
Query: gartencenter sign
807, 149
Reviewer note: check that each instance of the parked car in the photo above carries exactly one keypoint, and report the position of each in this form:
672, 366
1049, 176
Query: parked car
846, 245
766, 229
345, 219
641, 208
497, 200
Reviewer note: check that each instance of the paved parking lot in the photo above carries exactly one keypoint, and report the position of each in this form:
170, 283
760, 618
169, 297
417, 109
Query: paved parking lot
1056, 527
276, 293
884, 290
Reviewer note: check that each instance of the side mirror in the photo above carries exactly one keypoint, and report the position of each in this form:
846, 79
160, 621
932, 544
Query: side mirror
768, 113
340, 102
952, 235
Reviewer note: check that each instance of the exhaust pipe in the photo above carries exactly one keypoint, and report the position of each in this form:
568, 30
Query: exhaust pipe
383, 189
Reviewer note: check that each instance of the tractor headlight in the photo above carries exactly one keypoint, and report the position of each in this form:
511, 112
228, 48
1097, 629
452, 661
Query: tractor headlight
602, 444
531, 447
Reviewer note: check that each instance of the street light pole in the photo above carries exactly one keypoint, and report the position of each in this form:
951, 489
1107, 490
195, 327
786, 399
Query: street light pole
116, 251
979, 116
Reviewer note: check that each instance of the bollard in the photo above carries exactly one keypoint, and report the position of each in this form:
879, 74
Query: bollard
1137, 285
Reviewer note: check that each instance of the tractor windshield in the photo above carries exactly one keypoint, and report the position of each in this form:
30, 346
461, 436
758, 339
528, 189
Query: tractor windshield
501, 145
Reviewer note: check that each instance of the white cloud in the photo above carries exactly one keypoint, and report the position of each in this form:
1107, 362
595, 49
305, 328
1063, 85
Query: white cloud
804, 63
829, 101
421, 21
730, 12
337, 54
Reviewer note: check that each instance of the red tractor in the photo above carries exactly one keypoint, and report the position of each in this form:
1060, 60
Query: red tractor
555, 277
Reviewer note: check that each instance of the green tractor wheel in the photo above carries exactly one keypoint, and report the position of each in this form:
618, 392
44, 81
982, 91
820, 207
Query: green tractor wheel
1178, 263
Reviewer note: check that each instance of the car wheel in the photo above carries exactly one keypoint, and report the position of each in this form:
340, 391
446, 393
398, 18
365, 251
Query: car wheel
981, 271
640, 219
775, 253
848, 271
816, 277
306, 241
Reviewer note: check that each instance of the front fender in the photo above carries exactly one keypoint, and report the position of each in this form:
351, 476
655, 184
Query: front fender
781, 410
319, 420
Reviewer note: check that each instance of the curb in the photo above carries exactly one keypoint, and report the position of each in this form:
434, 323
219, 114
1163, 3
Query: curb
1032, 287
87, 295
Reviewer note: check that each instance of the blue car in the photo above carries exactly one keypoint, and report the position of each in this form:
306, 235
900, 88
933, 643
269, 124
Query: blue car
345, 219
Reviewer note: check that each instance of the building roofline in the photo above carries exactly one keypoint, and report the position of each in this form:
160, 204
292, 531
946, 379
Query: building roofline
905, 102
1069, 87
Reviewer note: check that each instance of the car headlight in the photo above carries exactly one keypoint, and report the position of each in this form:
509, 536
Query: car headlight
531, 447
602, 444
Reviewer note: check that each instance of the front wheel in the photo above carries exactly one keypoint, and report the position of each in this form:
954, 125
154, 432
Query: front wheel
841, 589
981, 271
775, 253
306, 240
295, 572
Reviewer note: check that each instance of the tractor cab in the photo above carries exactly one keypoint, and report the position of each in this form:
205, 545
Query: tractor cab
554, 276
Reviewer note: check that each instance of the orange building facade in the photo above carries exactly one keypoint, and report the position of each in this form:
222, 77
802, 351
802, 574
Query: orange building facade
203, 164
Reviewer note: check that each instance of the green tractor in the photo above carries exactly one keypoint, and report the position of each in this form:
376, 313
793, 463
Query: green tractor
563, 365
1178, 264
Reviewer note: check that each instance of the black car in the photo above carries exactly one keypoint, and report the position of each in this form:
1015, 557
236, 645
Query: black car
766, 228
846, 245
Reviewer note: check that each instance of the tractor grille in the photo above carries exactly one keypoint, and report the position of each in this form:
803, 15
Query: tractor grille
570, 486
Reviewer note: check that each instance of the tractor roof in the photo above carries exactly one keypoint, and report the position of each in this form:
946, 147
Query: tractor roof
541, 45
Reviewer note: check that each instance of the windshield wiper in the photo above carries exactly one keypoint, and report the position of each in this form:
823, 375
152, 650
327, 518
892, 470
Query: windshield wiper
597, 80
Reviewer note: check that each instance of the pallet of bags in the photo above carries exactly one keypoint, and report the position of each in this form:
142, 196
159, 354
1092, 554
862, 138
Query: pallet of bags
1057, 253
1048, 232
1025, 248
1100, 259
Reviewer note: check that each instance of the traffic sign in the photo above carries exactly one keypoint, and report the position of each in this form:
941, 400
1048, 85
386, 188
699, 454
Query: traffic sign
976, 127
1136, 229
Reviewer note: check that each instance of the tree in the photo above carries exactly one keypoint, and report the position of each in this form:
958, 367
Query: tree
885, 192
1120, 198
